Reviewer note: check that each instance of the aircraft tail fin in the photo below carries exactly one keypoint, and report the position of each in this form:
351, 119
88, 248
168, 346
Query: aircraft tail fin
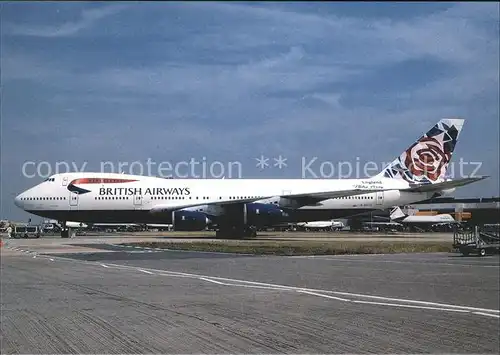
397, 214
426, 161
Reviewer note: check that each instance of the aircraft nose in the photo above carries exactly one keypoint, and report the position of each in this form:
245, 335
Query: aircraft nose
17, 200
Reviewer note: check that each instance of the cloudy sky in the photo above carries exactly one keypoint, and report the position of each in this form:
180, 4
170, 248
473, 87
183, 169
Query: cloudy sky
87, 83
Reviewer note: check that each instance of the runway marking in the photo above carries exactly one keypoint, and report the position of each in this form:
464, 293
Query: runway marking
146, 272
487, 314
213, 281
325, 296
254, 284
384, 303
412, 306
234, 284
381, 300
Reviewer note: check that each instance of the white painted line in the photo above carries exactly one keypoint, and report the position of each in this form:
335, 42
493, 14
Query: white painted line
233, 284
425, 303
213, 281
146, 272
487, 314
292, 288
412, 306
325, 296
385, 304
51, 259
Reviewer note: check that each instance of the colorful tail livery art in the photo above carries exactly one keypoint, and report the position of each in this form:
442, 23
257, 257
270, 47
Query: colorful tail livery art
428, 158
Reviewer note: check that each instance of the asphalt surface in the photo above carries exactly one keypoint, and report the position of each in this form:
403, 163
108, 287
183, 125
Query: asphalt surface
99, 298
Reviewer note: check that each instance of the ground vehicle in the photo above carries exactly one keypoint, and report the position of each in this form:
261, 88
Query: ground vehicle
481, 240
26, 232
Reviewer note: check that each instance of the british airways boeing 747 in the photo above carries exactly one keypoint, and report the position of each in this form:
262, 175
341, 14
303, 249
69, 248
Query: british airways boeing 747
238, 206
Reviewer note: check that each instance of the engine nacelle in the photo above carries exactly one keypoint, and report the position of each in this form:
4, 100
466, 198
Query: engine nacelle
189, 221
261, 214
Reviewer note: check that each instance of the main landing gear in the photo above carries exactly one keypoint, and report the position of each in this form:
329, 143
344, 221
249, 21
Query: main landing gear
235, 232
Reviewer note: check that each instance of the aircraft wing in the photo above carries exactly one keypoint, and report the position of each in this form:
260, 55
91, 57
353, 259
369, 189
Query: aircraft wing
445, 184
167, 208
324, 195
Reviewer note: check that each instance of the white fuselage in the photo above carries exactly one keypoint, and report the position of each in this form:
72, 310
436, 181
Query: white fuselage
120, 198
321, 224
441, 218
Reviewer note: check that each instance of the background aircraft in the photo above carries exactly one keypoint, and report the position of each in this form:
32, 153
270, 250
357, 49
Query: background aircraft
401, 220
321, 225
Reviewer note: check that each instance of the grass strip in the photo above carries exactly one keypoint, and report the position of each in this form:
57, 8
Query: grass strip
302, 247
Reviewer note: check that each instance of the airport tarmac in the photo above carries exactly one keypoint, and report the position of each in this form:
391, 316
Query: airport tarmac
88, 295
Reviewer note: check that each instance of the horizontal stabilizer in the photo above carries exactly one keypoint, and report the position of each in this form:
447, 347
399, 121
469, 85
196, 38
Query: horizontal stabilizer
439, 186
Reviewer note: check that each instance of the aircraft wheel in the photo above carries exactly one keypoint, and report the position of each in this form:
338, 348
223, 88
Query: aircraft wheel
482, 252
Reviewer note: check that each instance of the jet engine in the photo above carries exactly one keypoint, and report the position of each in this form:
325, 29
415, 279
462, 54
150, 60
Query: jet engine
189, 221
261, 214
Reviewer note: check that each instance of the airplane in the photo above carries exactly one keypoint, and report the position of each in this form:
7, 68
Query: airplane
71, 224
321, 225
398, 215
240, 206
399, 219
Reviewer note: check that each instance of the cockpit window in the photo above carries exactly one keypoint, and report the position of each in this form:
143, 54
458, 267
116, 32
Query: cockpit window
50, 179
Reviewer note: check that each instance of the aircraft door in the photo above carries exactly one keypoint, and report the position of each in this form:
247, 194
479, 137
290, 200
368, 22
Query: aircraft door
379, 198
65, 181
137, 201
73, 201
